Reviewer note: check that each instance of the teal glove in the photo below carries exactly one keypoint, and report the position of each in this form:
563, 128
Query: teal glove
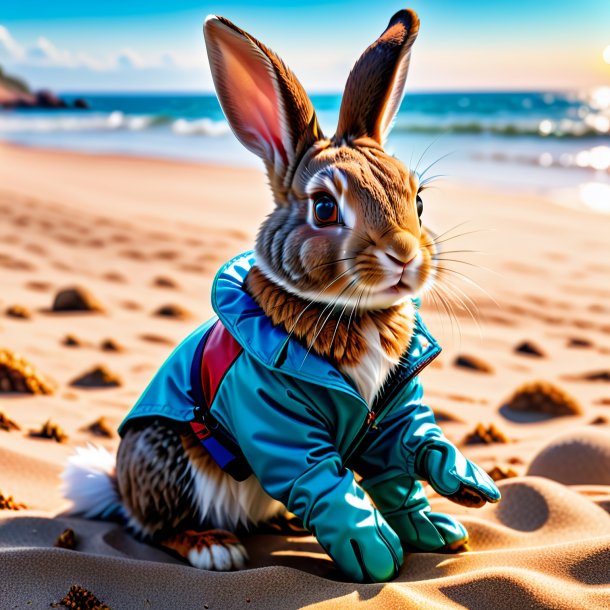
402, 501
450, 474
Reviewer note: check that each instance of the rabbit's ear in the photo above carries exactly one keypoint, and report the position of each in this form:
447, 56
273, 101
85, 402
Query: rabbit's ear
265, 104
375, 85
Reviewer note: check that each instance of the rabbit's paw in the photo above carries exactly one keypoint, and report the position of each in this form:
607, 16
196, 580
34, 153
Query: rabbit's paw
217, 550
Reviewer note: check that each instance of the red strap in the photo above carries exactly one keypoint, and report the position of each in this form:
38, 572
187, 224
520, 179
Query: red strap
220, 352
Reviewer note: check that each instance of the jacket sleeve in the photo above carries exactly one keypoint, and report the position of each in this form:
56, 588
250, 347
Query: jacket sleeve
291, 452
410, 442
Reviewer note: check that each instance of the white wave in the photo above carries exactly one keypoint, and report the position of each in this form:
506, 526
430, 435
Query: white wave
205, 127
47, 124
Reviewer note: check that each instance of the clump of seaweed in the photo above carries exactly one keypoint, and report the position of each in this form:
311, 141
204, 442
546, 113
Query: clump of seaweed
7, 424
543, 397
18, 375
50, 431
78, 598
66, 540
8, 503
485, 435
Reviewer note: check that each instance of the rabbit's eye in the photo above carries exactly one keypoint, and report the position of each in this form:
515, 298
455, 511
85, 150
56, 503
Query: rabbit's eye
325, 210
420, 205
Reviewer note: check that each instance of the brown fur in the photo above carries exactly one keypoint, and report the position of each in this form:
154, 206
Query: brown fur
340, 338
153, 478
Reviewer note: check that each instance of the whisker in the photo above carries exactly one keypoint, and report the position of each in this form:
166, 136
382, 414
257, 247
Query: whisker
312, 301
442, 241
452, 152
440, 135
452, 291
456, 260
471, 282
331, 305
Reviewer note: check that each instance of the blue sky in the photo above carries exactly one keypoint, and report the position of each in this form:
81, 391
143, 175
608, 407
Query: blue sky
158, 45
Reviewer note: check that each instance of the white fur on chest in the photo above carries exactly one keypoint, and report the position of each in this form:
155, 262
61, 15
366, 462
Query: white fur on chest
371, 372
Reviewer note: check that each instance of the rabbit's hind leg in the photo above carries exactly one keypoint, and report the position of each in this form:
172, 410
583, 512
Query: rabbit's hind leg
158, 483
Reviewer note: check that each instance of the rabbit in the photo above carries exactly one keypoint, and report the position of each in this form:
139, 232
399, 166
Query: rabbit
309, 372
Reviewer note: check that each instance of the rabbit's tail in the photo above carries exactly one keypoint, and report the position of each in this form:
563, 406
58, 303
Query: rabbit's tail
89, 483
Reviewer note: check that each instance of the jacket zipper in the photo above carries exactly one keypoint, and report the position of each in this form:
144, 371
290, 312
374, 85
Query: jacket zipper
373, 415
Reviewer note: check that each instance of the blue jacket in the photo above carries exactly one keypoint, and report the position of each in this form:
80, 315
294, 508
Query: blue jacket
299, 422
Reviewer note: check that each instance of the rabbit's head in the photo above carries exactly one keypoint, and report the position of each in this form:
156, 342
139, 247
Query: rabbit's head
346, 227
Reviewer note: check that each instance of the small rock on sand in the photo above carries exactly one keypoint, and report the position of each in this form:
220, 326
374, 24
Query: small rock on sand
543, 397
473, 363
19, 311
530, 349
485, 435
76, 298
173, 311
97, 377
18, 375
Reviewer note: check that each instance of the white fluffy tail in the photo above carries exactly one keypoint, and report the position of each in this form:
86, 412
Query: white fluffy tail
89, 483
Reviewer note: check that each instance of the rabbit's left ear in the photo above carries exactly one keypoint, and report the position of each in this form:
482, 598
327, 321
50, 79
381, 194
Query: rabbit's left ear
375, 86
265, 104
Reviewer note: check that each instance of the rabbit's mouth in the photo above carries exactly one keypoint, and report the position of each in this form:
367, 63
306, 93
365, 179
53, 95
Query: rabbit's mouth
401, 282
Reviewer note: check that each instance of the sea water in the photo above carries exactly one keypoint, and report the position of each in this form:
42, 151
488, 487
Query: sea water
556, 143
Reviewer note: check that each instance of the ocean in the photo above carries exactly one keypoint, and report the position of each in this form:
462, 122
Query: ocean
555, 143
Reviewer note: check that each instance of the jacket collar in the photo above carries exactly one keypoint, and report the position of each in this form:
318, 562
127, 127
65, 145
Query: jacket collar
272, 346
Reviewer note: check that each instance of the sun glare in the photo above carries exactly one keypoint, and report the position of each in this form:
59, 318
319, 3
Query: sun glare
606, 54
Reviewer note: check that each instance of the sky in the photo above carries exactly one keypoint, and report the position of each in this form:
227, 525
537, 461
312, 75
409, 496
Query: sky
157, 45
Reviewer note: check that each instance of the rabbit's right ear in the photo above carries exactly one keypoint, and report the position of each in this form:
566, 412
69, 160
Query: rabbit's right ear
375, 86
265, 104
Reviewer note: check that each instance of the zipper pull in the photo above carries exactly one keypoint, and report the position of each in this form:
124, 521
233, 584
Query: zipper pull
370, 420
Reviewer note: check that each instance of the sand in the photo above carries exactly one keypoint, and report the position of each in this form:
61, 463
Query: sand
141, 235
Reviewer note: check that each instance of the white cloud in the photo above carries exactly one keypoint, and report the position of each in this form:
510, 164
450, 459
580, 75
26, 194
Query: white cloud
43, 53
46, 53
130, 59
8, 45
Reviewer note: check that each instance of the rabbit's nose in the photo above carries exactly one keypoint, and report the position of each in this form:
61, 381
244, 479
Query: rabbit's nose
401, 261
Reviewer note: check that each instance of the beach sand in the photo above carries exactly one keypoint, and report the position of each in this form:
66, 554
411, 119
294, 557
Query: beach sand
143, 234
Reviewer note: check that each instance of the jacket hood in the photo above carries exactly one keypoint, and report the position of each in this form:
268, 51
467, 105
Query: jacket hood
272, 346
